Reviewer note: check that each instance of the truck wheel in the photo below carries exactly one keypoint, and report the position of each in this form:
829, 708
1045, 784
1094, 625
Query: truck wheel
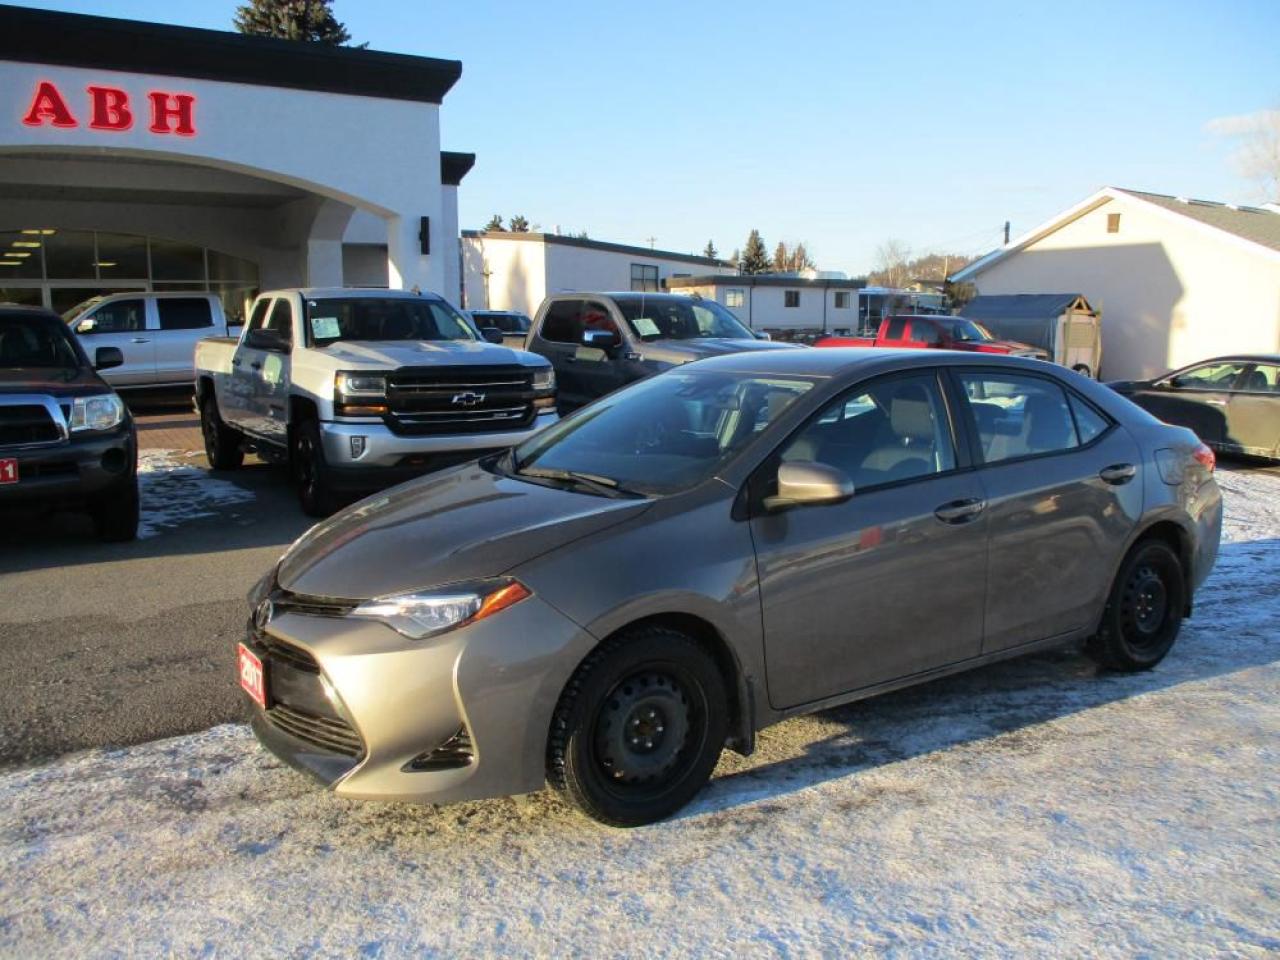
638, 728
115, 514
222, 445
1144, 612
310, 472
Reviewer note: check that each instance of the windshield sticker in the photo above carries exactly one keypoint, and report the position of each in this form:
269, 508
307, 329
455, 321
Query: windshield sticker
645, 326
325, 328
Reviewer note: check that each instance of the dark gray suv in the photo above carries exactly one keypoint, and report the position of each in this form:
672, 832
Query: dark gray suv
599, 342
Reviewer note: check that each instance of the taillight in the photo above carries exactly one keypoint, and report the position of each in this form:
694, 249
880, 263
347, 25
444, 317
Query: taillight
1205, 457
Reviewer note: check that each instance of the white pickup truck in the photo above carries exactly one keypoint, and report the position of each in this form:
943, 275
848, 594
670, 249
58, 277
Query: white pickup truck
357, 389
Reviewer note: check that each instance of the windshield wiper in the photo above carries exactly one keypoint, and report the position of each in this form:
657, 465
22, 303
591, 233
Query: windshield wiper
605, 486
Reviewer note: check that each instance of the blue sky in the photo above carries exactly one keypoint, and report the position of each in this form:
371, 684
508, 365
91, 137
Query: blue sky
840, 124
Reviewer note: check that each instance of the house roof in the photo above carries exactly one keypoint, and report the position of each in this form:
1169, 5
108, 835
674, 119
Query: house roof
1257, 226
555, 238
1022, 306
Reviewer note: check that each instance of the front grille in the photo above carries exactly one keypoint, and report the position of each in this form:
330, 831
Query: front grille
27, 423
277, 650
333, 736
285, 602
466, 400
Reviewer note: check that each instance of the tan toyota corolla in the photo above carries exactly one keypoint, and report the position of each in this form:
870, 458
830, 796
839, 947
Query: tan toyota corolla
713, 550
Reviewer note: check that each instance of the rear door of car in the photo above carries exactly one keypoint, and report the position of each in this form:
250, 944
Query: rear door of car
1253, 410
557, 336
183, 322
1063, 488
122, 324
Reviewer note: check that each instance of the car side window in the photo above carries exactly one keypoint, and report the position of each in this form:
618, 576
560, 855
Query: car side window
923, 331
184, 313
563, 322
1210, 376
1089, 422
890, 430
259, 317
1263, 378
122, 316
281, 319
897, 329
1019, 416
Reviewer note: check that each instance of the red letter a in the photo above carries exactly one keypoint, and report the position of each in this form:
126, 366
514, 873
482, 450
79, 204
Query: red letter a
110, 109
48, 105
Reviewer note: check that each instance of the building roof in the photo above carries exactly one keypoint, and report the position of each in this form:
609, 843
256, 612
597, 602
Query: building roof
455, 166
1258, 226
555, 238
1023, 306
764, 280
135, 46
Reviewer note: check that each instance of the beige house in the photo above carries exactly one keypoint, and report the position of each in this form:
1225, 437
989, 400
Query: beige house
1175, 280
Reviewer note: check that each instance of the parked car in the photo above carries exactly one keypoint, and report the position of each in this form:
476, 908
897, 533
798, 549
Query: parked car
512, 325
1232, 403
66, 439
156, 334
359, 389
937, 332
713, 550
599, 342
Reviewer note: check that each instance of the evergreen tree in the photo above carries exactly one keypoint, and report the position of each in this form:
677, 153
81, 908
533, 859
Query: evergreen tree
495, 224
780, 261
310, 20
754, 257
519, 223
710, 250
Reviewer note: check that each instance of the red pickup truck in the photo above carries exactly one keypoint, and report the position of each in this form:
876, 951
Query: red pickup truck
937, 333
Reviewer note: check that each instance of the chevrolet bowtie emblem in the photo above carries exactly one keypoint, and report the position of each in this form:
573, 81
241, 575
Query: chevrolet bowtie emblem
467, 399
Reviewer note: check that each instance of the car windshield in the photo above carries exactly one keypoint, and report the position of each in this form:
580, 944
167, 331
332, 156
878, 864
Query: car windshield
81, 307
389, 318
967, 330
680, 318
36, 342
660, 436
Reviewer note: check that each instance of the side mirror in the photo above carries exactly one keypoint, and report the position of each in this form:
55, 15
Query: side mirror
761, 335
266, 340
104, 358
86, 325
802, 483
601, 339
491, 334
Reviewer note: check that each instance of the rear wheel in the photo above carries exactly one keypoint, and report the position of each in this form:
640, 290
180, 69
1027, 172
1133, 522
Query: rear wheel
222, 445
115, 514
1144, 612
639, 727
310, 472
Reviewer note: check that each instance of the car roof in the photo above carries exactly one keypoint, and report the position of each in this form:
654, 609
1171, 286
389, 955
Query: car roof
1242, 357
621, 295
355, 293
845, 361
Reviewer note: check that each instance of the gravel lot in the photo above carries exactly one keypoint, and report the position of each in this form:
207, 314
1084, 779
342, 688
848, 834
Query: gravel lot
1032, 808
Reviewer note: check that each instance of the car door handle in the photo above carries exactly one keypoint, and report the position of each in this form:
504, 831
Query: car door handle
960, 511
1118, 473
140, 340
256, 365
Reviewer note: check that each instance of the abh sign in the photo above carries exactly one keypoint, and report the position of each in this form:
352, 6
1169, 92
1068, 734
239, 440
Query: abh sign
109, 109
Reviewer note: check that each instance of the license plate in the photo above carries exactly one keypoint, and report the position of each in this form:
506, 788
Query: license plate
8, 471
252, 677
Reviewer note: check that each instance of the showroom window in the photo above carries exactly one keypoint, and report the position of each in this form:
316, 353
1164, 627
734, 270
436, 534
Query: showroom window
644, 277
735, 298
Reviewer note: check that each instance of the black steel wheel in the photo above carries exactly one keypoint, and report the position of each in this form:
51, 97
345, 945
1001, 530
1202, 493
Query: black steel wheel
310, 473
222, 445
1144, 611
639, 727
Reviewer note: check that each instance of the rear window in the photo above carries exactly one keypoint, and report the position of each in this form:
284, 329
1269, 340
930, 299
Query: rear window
184, 313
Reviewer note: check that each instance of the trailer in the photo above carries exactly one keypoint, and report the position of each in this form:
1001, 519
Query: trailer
1062, 324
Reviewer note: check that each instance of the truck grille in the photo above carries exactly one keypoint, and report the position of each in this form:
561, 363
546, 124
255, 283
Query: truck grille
471, 400
22, 424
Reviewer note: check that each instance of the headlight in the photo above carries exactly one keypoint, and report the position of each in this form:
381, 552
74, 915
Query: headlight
544, 379
430, 613
96, 413
360, 385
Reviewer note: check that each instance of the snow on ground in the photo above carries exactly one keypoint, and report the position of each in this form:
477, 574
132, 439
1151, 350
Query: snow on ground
1035, 808
175, 491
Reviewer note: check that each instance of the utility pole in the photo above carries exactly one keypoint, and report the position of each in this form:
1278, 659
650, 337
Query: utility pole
651, 241
1006, 233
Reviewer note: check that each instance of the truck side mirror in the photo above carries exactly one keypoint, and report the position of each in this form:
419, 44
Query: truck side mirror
601, 339
491, 334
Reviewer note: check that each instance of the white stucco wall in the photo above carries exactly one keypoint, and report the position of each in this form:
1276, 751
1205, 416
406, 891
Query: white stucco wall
1171, 291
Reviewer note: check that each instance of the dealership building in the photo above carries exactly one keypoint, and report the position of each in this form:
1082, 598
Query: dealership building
140, 156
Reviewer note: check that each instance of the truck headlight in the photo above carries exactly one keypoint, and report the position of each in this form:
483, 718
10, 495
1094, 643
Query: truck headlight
101, 412
544, 379
433, 612
359, 394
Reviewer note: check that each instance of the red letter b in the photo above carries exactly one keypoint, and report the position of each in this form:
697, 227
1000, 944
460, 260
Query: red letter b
110, 109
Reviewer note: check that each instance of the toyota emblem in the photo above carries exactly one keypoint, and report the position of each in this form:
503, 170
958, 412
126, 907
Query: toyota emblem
262, 616
468, 399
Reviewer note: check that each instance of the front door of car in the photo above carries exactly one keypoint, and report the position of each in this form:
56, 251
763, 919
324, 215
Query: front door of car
1196, 397
600, 370
122, 324
889, 583
557, 337
269, 365
1253, 412
1063, 487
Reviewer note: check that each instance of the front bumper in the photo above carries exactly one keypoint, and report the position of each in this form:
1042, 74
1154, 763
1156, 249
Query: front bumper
384, 449
495, 683
72, 471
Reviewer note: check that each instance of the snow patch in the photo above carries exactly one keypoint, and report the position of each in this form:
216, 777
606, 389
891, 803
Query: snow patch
175, 491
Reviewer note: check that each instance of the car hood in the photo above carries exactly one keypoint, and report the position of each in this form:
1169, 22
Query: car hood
384, 355
686, 351
461, 524
53, 382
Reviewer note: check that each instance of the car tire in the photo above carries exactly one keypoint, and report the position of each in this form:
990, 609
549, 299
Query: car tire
1144, 610
223, 446
115, 514
639, 727
310, 472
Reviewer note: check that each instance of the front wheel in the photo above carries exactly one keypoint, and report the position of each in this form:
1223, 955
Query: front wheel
639, 727
222, 445
310, 472
1144, 612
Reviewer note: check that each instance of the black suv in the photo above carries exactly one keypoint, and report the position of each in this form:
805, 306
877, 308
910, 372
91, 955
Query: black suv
66, 438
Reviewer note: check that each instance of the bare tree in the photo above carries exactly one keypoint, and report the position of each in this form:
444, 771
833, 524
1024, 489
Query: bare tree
1256, 137
892, 263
